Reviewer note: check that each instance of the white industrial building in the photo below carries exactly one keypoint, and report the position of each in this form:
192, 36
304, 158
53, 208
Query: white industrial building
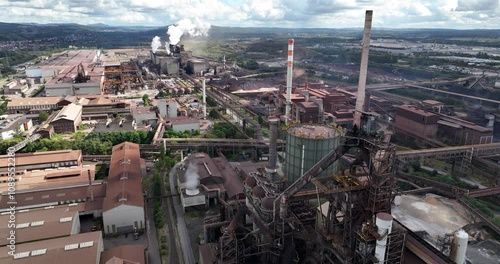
123, 206
182, 123
9, 128
167, 108
144, 116
41, 72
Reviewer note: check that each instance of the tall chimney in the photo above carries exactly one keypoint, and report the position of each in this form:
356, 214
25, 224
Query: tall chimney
204, 98
272, 167
360, 101
289, 75
90, 187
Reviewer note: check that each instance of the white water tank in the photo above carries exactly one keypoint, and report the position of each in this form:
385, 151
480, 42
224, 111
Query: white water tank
460, 241
384, 228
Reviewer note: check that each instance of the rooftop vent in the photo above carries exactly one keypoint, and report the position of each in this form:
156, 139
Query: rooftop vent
71, 247
65, 219
86, 244
38, 252
37, 223
23, 225
22, 255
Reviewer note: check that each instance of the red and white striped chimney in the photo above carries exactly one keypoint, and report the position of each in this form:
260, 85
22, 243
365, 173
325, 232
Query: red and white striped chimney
289, 75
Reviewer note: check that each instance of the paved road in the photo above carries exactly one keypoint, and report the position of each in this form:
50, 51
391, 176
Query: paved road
187, 250
153, 248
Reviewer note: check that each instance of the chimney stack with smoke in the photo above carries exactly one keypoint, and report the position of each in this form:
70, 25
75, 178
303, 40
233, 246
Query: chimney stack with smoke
155, 44
360, 101
289, 75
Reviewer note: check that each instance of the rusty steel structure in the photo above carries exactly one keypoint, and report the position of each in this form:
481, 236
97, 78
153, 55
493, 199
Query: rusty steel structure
277, 223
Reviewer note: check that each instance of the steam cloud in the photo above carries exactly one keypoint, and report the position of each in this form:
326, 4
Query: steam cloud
192, 177
155, 44
195, 28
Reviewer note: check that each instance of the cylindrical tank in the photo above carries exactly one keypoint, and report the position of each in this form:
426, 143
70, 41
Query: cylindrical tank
384, 228
306, 145
459, 247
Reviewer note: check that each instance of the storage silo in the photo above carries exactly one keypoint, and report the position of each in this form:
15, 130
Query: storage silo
306, 145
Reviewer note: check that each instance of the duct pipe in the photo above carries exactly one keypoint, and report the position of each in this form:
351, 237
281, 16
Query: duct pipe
360, 100
91, 190
289, 75
271, 168
459, 247
204, 98
384, 227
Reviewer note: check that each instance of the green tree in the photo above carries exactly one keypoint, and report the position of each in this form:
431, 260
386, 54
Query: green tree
145, 100
43, 116
213, 114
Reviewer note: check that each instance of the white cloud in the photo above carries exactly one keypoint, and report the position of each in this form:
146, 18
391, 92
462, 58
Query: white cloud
276, 13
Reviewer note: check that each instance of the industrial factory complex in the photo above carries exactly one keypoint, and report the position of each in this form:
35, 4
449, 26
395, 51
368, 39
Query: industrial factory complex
285, 172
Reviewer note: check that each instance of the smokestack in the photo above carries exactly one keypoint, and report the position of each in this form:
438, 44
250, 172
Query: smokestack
289, 75
360, 101
273, 154
90, 187
204, 90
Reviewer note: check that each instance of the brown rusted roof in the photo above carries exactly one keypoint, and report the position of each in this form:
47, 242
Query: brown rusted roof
126, 254
232, 181
25, 159
54, 195
124, 180
55, 250
43, 224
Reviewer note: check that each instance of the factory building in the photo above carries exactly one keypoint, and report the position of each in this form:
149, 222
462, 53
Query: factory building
126, 254
197, 66
206, 181
462, 132
41, 223
123, 206
80, 74
43, 160
68, 119
414, 120
81, 248
15, 87
182, 123
33, 105
167, 108
10, 127
144, 116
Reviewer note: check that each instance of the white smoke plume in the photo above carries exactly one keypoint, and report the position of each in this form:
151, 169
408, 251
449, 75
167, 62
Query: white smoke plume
155, 44
195, 28
167, 47
192, 177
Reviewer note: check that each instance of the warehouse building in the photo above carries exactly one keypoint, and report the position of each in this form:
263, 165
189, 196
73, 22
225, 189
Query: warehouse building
123, 207
68, 119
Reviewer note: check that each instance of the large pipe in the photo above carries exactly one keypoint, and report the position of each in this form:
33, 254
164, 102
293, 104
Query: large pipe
289, 75
459, 247
360, 101
271, 168
204, 99
91, 190
384, 228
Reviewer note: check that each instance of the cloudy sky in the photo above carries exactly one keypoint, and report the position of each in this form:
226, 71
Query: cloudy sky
459, 14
